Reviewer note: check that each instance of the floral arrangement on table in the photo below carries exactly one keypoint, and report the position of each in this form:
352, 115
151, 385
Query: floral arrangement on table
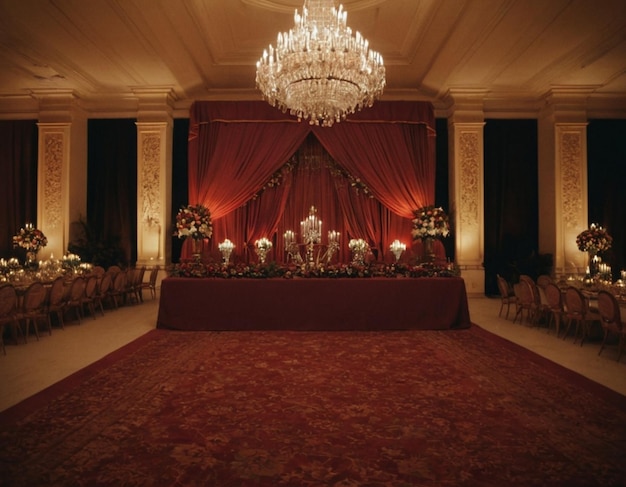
333, 271
30, 238
595, 239
193, 221
430, 222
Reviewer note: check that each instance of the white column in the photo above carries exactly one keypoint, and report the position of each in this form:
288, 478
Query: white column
467, 201
62, 170
563, 181
153, 192
154, 176
466, 183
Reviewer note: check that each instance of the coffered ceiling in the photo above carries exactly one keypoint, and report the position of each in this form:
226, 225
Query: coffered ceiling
109, 52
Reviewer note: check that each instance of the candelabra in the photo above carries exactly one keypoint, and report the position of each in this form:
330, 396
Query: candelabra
359, 248
291, 247
333, 245
226, 248
397, 248
311, 233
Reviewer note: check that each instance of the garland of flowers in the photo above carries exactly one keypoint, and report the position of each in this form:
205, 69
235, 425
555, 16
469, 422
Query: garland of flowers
430, 221
595, 239
193, 221
30, 238
274, 270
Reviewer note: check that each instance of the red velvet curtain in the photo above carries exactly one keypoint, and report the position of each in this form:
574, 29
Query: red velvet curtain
237, 149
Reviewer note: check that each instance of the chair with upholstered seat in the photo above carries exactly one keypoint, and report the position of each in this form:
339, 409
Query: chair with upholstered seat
152, 281
524, 302
57, 300
117, 291
554, 298
8, 312
611, 321
135, 284
89, 296
33, 310
539, 308
75, 297
102, 293
507, 295
577, 313
543, 280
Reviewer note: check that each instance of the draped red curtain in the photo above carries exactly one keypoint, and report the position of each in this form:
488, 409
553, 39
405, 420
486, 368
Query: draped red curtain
366, 175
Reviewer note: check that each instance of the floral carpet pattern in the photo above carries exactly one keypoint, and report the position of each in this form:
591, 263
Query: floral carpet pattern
280, 408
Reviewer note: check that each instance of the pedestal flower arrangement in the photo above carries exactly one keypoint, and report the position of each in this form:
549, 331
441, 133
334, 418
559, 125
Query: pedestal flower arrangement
593, 241
32, 239
429, 223
194, 221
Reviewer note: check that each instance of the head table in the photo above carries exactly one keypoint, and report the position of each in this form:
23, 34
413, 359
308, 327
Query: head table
436, 303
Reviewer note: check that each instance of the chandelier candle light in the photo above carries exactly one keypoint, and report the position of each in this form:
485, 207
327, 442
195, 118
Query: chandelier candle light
319, 71
226, 248
333, 245
263, 246
291, 247
311, 232
397, 248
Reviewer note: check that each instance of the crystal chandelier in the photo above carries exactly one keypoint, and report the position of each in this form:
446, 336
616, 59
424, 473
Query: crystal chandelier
319, 70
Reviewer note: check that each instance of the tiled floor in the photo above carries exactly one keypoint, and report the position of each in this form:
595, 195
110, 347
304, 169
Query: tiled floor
27, 369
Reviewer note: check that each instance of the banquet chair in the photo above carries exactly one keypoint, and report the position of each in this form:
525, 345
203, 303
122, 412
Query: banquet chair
137, 284
98, 271
539, 308
577, 312
75, 297
131, 289
114, 269
89, 296
525, 302
507, 295
117, 292
543, 280
150, 284
611, 321
102, 293
57, 300
8, 312
33, 309
554, 299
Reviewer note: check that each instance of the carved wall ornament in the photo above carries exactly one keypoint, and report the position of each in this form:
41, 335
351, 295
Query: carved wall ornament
470, 177
150, 179
572, 178
52, 179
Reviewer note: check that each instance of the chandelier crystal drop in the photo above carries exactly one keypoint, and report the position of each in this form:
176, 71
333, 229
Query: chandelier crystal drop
319, 71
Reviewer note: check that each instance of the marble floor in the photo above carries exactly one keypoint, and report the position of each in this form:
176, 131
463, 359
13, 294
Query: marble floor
27, 369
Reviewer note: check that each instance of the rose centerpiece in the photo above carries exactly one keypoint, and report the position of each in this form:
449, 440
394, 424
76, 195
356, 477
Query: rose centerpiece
429, 223
194, 221
593, 241
32, 239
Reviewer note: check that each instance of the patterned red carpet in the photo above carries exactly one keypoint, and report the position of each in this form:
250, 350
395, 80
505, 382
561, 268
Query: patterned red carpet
423, 408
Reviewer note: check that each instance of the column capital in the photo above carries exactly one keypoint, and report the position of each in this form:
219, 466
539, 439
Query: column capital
567, 104
154, 104
465, 104
58, 105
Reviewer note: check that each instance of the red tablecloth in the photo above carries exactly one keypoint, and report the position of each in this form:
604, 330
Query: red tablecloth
313, 304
